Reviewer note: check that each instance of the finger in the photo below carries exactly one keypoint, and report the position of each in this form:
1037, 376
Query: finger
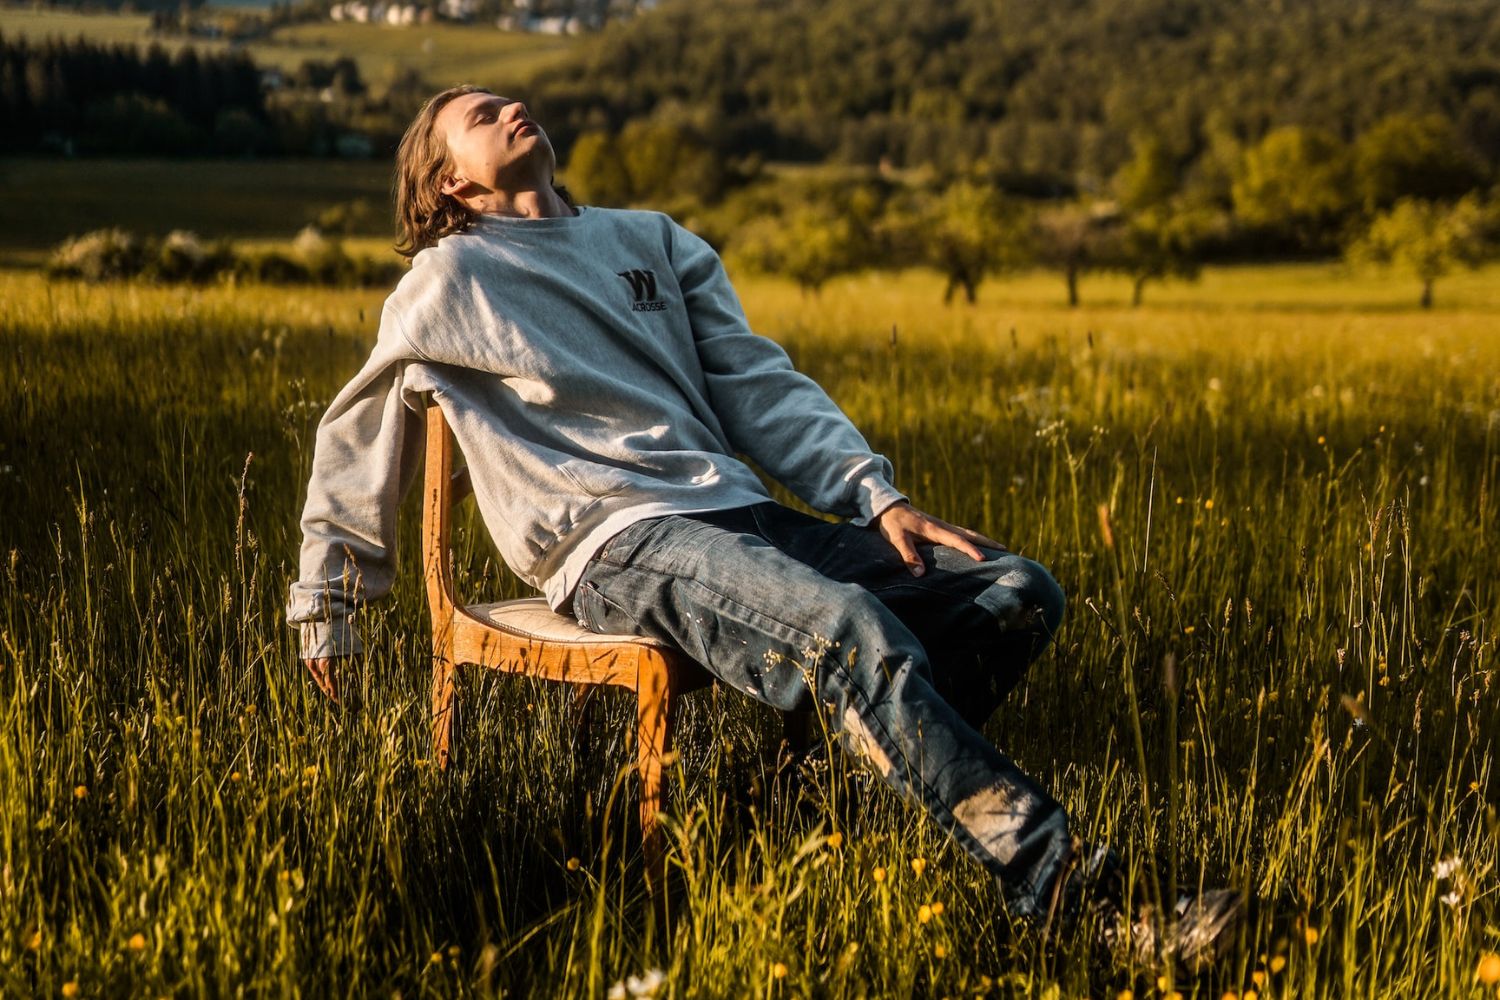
971, 534
935, 529
909, 554
984, 540
322, 671
953, 539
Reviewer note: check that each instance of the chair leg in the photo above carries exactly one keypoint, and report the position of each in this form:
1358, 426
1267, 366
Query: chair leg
443, 707
655, 708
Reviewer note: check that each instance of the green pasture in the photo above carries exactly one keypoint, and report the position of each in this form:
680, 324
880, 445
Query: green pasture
50, 200
1264, 494
443, 53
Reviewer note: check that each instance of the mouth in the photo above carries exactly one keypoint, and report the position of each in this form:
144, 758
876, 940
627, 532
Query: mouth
523, 126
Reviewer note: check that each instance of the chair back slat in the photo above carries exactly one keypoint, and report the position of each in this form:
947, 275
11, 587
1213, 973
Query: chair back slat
437, 506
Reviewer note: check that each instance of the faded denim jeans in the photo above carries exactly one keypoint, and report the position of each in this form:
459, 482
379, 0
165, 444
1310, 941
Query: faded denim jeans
801, 613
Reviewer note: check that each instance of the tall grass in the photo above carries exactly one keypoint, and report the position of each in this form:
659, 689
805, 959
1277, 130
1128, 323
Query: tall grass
1301, 501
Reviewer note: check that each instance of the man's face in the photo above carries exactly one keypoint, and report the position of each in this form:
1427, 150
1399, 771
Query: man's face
493, 144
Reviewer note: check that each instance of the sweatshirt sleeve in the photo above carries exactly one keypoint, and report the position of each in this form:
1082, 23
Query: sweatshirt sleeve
367, 450
771, 412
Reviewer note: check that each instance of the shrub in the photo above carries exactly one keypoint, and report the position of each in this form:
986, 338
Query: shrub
184, 257
114, 254
100, 255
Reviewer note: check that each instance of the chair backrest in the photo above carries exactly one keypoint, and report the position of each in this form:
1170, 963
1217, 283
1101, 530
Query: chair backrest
441, 489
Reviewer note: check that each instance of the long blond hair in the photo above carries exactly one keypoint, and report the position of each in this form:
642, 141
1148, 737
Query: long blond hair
424, 214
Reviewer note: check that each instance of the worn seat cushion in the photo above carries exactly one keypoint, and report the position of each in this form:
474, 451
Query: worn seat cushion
531, 617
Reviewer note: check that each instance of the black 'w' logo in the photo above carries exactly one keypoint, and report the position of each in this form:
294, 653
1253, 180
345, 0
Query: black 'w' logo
643, 286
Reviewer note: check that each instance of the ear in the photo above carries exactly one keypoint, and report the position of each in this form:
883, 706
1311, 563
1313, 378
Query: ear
451, 185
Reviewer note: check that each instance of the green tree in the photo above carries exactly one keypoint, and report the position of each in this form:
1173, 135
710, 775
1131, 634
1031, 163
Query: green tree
597, 171
1295, 182
1076, 237
666, 161
968, 231
1164, 241
811, 245
1149, 178
1410, 156
1427, 239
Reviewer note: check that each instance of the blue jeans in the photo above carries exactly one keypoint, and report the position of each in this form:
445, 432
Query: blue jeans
802, 613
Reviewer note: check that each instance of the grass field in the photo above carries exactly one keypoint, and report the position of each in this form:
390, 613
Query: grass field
1299, 473
444, 53
51, 200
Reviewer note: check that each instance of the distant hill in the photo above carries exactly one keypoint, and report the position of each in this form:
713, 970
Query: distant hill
1047, 89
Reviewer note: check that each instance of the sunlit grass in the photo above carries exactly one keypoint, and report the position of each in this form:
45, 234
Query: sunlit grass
1300, 476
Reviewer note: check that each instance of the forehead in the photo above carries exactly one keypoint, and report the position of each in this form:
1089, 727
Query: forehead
454, 111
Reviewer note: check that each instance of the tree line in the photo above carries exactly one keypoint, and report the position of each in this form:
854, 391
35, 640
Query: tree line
1405, 194
77, 97
1048, 94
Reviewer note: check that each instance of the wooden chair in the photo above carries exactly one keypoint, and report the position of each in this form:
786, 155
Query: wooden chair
527, 637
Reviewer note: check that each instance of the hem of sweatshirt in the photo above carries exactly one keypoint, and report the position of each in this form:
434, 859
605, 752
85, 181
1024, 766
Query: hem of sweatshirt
874, 496
331, 638
559, 587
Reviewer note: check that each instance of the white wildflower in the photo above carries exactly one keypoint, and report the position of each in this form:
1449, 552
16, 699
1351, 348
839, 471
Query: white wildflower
1447, 867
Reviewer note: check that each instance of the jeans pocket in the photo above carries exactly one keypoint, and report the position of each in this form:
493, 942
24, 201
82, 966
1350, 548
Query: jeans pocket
599, 614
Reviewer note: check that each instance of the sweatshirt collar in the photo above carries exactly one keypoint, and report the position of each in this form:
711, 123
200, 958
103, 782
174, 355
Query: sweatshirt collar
510, 224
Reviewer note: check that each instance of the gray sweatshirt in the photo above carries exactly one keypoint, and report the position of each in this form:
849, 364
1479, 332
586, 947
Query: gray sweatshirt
596, 369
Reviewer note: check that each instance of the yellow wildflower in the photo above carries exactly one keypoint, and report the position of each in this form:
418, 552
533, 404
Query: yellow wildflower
878, 874
779, 970
1488, 972
137, 942
574, 864
1310, 935
918, 865
81, 792
940, 951
924, 913
937, 909
1277, 964
70, 988
835, 840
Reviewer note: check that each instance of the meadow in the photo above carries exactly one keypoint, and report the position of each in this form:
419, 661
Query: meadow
1271, 498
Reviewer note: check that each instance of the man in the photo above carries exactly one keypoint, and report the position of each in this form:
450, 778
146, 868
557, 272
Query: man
600, 377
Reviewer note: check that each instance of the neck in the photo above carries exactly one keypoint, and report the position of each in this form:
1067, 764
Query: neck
540, 202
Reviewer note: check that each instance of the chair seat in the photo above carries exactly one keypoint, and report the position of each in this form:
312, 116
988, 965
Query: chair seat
532, 618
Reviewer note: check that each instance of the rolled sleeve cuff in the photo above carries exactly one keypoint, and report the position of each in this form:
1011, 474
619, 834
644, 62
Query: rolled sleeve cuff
873, 496
326, 639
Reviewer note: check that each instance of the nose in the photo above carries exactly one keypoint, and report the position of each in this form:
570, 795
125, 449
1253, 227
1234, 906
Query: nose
517, 110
